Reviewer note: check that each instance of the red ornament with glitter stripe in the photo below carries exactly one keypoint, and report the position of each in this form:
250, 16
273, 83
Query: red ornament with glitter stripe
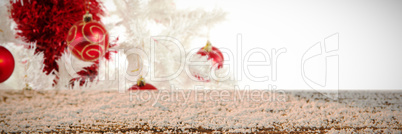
88, 40
213, 54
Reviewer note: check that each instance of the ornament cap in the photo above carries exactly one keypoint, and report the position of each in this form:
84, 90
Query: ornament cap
208, 47
87, 17
141, 81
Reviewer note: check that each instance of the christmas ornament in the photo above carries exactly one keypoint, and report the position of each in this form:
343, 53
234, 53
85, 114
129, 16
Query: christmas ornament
88, 39
47, 22
142, 85
6, 64
213, 54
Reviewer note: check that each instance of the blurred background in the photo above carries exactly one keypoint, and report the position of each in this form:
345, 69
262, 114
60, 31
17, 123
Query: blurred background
369, 33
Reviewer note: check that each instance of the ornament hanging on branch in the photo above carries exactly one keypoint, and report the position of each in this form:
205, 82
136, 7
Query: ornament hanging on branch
47, 22
142, 85
88, 40
6, 64
213, 54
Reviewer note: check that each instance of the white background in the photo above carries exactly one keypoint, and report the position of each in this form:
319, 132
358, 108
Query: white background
370, 38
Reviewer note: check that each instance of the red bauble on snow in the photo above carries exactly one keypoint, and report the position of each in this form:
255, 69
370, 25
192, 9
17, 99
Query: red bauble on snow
141, 85
88, 39
213, 54
6, 64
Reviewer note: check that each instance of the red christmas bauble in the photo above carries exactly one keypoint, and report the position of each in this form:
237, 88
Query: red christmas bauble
147, 86
213, 54
88, 40
141, 85
6, 64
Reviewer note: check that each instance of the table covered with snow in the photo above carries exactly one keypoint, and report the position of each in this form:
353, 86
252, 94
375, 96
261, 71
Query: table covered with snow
199, 111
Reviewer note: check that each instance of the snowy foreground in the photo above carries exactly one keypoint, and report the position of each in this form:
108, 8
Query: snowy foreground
200, 111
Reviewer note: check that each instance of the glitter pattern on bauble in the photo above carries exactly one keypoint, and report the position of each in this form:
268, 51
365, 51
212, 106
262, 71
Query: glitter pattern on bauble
88, 40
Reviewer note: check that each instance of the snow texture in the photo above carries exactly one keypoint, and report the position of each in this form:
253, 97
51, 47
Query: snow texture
199, 111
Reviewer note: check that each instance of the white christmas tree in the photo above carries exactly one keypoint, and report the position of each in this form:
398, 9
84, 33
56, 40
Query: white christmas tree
154, 42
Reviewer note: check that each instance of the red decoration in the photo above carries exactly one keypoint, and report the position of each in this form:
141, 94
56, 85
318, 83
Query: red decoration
6, 64
89, 73
141, 85
213, 54
47, 23
88, 40
201, 78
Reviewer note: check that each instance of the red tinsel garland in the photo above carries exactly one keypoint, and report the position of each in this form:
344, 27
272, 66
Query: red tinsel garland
89, 73
47, 22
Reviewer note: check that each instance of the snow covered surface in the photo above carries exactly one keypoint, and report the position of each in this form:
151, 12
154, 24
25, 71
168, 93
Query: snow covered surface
199, 111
